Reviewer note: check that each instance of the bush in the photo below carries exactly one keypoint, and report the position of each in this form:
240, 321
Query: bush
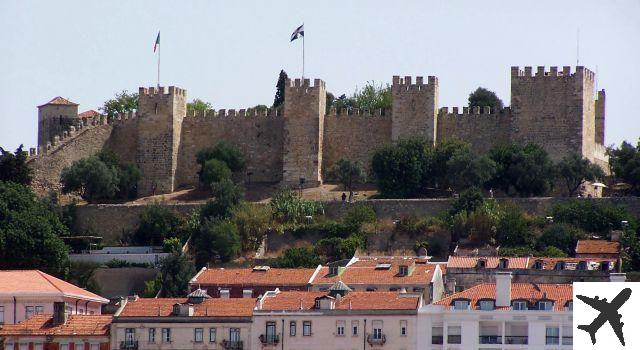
347, 173
157, 223
358, 215
516, 251
625, 164
552, 252
466, 170
561, 236
334, 249
522, 170
217, 239
399, 168
287, 207
298, 257
172, 245
13, 167
482, 97
593, 217
224, 152
253, 223
576, 170
513, 229
214, 171
175, 270
227, 195
468, 201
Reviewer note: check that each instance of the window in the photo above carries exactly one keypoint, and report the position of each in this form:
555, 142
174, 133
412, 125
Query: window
8, 346
519, 305
340, 328
582, 265
39, 346
91, 347
64, 346
437, 335
560, 265
198, 335
317, 304
212, 335
306, 328
538, 265
403, 328
292, 328
552, 335
604, 266
377, 330
403, 270
24, 346
81, 312
166, 335
570, 305
371, 289
28, 311
454, 335
486, 305
271, 332
503, 264
354, 328
461, 305
333, 270
152, 335
482, 263
1, 314
234, 335
39, 310
129, 335
545, 305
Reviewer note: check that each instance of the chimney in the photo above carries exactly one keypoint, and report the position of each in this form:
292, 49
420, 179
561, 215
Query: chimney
617, 277
503, 289
59, 313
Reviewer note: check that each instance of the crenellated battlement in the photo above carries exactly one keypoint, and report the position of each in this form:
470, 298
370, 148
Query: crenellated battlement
356, 112
230, 113
404, 84
151, 91
305, 84
553, 71
470, 112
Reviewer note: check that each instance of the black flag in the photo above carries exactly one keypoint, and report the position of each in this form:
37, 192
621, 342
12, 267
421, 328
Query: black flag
297, 33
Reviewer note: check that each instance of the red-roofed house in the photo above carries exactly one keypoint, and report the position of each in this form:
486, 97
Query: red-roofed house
61, 332
598, 248
337, 319
24, 293
249, 282
529, 315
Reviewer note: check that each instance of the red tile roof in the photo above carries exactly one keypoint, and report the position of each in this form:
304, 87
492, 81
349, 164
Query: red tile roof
249, 277
76, 325
550, 263
365, 272
215, 307
491, 262
296, 301
559, 293
88, 114
37, 283
595, 246
58, 100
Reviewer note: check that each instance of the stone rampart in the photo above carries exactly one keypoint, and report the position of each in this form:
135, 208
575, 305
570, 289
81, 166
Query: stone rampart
483, 128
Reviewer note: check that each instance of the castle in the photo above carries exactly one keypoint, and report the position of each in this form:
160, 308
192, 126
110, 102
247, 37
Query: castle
557, 109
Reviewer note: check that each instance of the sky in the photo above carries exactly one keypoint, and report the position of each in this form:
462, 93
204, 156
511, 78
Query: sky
230, 52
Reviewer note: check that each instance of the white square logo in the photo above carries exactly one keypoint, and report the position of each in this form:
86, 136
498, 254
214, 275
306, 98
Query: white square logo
606, 315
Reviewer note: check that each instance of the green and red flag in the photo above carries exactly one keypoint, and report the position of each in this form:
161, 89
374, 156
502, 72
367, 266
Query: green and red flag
155, 46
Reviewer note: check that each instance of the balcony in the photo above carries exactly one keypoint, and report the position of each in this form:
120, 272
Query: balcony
516, 339
376, 340
129, 345
269, 339
490, 339
567, 340
232, 345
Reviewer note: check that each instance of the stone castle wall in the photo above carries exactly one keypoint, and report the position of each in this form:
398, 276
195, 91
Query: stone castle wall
482, 128
354, 135
415, 108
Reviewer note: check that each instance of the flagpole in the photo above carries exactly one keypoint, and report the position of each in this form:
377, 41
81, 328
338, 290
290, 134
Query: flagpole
303, 55
159, 48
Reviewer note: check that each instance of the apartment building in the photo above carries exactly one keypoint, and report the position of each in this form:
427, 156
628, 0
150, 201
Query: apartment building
500, 315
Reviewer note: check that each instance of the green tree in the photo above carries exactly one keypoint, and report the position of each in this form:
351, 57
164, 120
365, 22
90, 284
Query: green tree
298, 257
287, 207
172, 245
157, 223
253, 223
348, 173
217, 239
373, 97
465, 170
225, 152
175, 272
214, 171
92, 178
399, 168
344, 102
198, 106
13, 166
122, 103
226, 196
576, 170
625, 164
561, 236
469, 200
336, 248
357, 216
513, 229
30, 232
278, 100
435, 172
593, 217
483, 97
523, 170
552, 252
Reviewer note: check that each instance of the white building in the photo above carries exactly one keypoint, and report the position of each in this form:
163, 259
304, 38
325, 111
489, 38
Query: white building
499, 315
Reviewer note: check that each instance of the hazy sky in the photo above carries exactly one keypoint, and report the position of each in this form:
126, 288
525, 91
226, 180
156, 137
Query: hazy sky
229, 53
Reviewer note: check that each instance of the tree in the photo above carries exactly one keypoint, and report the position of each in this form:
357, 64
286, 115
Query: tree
226, 196
253, 223
298, 257
513, 229
561, 236
357, 216
172, 245
214, 171
435, 172
122, 103
465, 170
399, 168
13, 167
287, 207
176, 271
30, 232
92, 178
157, 223
552, 252
217, 239
373, 97
198, 106
576, 170
278, 100
483, 97
593, 217
348, 173
625, 164
522, 170
225, 152
468, 201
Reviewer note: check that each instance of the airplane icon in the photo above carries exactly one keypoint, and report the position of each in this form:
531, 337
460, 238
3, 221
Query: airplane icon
608, 313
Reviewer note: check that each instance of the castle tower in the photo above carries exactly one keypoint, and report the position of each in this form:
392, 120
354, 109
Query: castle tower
414, 108
304, 110
555, 109
54, 117
600, 116
159, 123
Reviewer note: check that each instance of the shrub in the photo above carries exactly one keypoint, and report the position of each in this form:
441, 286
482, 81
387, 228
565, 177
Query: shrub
217, 239
214, 171
175, 270
516, 251
14, 168
561, 236
157, 222
227, 195
522, 170
225, 152
298, 257
468, 201
513, 229
253, 223
347, 173
287, 207
172, 245
358, 215
399, 168
336, 248
552, 252
593, 217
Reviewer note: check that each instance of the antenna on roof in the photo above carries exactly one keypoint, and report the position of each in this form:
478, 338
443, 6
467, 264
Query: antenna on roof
578, 47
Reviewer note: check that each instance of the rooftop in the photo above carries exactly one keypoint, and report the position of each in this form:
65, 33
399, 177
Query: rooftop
491, 262
58, 100
560, 294
597, 246
253, 277
35, 283
300, 301
163, 307
88, 114
76, 325
382, 270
